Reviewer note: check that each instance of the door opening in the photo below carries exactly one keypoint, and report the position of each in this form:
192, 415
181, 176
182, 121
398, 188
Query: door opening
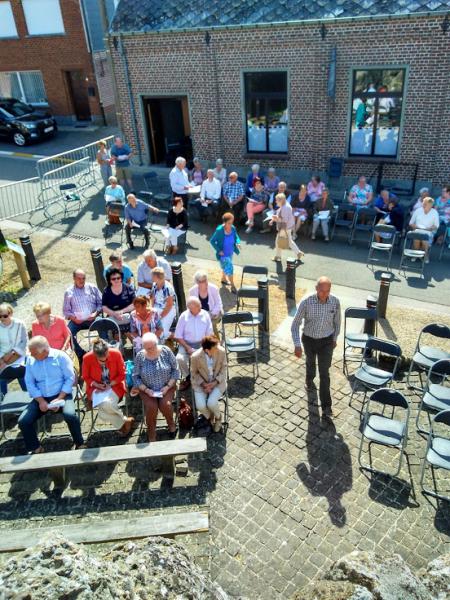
76, 85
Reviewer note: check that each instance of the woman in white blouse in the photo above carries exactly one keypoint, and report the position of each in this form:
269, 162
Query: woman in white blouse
13, 347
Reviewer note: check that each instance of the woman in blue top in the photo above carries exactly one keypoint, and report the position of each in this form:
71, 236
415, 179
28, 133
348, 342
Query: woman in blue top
225, 242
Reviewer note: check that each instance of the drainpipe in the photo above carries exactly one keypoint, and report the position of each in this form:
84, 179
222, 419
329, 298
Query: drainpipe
130, 97
105, 27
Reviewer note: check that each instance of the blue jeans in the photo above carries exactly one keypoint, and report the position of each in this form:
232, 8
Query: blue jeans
74, 329
33, 413
11, 373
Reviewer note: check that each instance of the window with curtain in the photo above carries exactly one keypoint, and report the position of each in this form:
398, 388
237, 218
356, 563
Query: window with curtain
376, 111
43, 17
266, 109
7, 24
27, 86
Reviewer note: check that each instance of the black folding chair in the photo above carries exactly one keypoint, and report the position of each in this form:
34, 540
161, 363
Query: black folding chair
425, 356
106, 329
388, 233
238, 344
364, 221
344, 219
356, 340
252, 270
437, 454
436, 395
243, 295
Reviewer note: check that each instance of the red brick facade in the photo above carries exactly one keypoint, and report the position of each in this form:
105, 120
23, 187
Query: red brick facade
53, 55
183, 63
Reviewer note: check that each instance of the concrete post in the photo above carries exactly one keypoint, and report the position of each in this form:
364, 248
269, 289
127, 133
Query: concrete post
30, 259
97, 261
291, 265
177, 275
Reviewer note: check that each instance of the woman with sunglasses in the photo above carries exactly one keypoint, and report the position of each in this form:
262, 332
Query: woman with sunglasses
117, 298
13, 348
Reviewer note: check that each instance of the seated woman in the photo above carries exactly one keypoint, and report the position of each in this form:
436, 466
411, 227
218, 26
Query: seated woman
144, 319
155, 375
52, 327
13, 348
425, 220
104, 375
117, 298
177, 224
162, 298
197, 175
315, 188
302, 209
256, 203
209, 296
321, 206
113, 193
271, 181
209, 379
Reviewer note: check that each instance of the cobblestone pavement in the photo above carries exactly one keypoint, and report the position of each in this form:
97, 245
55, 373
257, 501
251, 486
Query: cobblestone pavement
284, 490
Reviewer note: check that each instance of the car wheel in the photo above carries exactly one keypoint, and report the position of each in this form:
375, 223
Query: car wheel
19, 139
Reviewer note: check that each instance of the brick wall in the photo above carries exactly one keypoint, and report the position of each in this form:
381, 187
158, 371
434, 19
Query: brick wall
183, 63
52, 55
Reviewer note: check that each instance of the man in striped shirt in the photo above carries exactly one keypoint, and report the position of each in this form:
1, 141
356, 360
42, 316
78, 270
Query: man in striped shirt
321, 316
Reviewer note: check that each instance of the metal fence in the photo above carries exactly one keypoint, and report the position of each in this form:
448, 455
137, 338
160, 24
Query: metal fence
20, 197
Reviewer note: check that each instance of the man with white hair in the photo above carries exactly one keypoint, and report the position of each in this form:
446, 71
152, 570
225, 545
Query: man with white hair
210, 193
321, 316
179, 180
150, 260
193, 325
233, 195
49, 377
136, 215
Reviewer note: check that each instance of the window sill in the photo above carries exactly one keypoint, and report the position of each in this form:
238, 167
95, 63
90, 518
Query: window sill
266, 155
7, 38
46, 35
370, 159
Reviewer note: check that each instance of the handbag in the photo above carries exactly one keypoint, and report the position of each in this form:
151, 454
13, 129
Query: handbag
185, 415
282, 241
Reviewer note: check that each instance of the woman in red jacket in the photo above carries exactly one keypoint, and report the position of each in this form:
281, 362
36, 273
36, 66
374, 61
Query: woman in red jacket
104, 374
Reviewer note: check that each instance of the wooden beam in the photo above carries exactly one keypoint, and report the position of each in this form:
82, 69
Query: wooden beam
94, 532
105, 454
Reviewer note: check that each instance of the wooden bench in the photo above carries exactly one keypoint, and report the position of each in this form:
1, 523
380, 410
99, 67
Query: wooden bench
108, 531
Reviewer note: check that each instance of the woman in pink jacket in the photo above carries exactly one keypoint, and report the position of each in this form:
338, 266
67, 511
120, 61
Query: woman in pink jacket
209, 296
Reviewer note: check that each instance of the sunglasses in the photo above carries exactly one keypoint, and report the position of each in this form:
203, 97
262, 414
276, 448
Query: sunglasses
4, 316
116, 278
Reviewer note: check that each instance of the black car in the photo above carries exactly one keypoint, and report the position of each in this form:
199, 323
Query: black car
23, 124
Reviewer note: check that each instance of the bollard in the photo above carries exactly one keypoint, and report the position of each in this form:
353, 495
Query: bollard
263, 303
369, 324
385, 283
97, 261
177, 275
2, 239
291, 265
30, 259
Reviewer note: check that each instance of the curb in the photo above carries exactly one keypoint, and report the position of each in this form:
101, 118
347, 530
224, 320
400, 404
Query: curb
21, 154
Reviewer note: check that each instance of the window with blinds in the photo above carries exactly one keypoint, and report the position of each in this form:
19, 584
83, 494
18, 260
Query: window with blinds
27, 86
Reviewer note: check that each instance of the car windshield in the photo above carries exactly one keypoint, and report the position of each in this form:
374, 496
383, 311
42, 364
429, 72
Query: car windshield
15, 108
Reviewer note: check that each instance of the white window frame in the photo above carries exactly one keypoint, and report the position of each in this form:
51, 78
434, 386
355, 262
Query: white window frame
8, 19
51, 24
23, 97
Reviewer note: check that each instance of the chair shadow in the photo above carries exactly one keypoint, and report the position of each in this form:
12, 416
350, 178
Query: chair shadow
241, 386
392, 491
329, 469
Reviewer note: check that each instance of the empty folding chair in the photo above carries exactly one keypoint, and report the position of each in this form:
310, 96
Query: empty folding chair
70, 197
371, 377
377, 428
437, 454
238, 344
252, 270
411, 258
345, 219
436, 395
364, 221
425, 356
388, 233
356, 340
106, 329
12, 403
243, 295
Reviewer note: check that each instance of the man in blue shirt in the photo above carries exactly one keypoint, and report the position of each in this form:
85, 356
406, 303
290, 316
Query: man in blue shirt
233, 196
49, 376
121, 154
136, 214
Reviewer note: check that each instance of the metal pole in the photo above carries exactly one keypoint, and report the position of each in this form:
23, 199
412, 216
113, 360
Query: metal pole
385, 283
2, 239
291, 265
177, 280
30, 259
97, 261
263, 303
369, 324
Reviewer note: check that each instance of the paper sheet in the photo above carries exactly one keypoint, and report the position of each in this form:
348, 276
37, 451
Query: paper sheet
269, 215
56, 404
194, 189
100, 396
323, 214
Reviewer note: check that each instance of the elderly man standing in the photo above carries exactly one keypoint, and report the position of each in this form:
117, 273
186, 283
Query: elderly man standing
136, 215
82, 304
210, 193
193, 325
321, 316
233, 195
144, 273
121, 154
179, 180
49, 377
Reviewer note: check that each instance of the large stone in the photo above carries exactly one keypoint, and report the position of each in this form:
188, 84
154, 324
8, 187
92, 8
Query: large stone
436, 577
334, 590
154, 568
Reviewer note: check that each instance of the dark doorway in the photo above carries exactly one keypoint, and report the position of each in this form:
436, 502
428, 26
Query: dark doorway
168, 129
76, 85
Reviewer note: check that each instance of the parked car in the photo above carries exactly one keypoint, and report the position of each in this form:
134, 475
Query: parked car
23, 124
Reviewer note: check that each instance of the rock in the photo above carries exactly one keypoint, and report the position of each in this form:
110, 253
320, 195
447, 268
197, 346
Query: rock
334, 590
436, 577
150, 569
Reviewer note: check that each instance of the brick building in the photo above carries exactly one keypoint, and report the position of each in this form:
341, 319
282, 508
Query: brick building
288, 84
52, 53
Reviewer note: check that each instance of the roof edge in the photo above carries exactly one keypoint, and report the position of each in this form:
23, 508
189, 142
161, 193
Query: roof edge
305, 22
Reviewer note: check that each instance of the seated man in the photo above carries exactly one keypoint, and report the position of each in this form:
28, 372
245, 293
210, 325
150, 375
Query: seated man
361, 194
210, 193
104, 376
381, 204
49, 376
116, 262
136, 215
425, 219
193, 325
233, 196
394, 216
82, 304
144, 273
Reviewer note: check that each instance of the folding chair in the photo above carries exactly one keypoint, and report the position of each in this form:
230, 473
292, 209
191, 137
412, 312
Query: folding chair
445, 242
342, 219
389, 234
239, 344
69, 196
252, 270
12, 403
410, 255
425, 356
438, 453
107, 329
436, 396
154, 191
364, 221
248, 294
356, 340
110, 229
377, 428
372, 377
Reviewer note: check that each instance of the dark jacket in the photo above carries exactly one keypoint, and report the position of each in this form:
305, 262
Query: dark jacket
174, 219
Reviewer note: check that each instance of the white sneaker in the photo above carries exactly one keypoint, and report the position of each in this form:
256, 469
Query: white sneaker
249, 229
427, 261
247, 222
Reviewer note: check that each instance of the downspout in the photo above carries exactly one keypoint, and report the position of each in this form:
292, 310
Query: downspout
130, 98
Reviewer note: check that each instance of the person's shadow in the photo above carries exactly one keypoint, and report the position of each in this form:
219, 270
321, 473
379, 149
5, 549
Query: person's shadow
329, 469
